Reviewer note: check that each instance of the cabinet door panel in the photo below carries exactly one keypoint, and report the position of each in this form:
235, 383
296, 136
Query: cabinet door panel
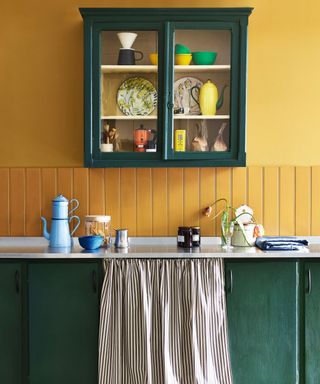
10, 323
262, 318
63, 323
312, 323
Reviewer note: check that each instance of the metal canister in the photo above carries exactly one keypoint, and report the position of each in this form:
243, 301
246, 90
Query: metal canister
184, 238
196, 236
180, 140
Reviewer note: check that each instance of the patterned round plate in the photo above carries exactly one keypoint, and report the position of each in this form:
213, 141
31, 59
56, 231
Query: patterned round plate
182, 95
137, 97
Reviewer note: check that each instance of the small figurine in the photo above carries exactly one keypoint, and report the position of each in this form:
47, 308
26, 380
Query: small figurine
200, 142
219, 144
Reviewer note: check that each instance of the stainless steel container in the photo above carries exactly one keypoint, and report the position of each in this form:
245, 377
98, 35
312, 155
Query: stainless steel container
122, 240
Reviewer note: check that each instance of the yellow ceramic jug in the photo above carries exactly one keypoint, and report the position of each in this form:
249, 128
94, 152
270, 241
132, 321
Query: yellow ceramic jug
209, 100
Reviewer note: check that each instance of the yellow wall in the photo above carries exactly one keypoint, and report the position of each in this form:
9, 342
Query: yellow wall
41, 80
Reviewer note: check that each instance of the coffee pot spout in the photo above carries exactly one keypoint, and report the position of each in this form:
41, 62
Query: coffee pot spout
46, 234
221, 98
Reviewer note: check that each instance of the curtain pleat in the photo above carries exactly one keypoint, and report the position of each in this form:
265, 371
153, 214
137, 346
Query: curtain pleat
163, 322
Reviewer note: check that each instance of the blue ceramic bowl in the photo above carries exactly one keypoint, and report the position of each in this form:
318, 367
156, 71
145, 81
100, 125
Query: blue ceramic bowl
90, 242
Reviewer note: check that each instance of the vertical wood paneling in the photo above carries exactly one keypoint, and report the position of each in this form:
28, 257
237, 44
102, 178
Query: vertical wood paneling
33, 202
81, 192
17, 202
65, 182
303, 201
207, 197
223, 190
128, 200
271, 200
144, 202
112, 198
48, 191
239, 187
159, 202
287, 201
191, 201
96, 191
4, 202
156, 201
315, 202
255, 192
175, 200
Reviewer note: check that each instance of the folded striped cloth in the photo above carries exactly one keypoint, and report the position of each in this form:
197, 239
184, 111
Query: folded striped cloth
281, 243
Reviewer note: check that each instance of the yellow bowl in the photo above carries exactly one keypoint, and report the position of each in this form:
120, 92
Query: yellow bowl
153, 58
183, 59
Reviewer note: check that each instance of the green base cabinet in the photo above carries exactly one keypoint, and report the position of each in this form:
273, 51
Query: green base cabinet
312, 322
63, 323
156, 109
10, 323
263, 318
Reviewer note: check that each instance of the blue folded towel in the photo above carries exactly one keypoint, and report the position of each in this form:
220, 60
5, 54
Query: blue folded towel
280, 243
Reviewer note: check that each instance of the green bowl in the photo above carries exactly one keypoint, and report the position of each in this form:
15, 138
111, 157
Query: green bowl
204, 58
181, 49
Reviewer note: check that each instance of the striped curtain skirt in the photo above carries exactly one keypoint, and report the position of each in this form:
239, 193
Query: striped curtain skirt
163, 322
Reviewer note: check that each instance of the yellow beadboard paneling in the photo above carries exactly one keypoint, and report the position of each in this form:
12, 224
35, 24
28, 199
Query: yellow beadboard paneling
112, 197
48, 191
159, 202
287, 201
96, 191
223, 190
207, 197
271, 201
154, 202
315, 202
17, 202
128, 200
144, 202
255, 192
175, 200
239, 186
191, 207
4, 202
81, 192
33, 202
303, 201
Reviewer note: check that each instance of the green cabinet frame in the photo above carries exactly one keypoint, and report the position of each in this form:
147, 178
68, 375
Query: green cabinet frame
165, 21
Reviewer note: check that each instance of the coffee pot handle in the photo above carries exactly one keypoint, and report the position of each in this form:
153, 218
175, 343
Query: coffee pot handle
75, 207
141, 55
77, 225
191, 92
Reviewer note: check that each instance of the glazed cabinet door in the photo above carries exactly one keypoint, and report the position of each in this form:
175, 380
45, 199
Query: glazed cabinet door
203, 123
63, 322
312, 322
10, 323
126, 104
262, 317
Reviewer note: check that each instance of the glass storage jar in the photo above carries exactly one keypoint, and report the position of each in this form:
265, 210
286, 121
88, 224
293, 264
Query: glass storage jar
98, 225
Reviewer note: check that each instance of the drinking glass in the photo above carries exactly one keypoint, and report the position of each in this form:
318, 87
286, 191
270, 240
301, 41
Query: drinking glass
227, 228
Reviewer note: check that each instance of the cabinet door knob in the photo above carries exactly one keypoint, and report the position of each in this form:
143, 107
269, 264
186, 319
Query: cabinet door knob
170, 105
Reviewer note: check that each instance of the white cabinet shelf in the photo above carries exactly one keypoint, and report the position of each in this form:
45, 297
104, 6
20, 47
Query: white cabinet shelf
176, 117
154, 68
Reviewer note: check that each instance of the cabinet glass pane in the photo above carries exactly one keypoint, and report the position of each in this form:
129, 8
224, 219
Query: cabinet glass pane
201, 87
129, 91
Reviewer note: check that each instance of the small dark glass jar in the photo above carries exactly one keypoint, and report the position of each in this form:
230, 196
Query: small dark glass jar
196, 236
185, 237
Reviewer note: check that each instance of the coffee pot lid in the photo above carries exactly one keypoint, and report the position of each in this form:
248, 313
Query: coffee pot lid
60, 198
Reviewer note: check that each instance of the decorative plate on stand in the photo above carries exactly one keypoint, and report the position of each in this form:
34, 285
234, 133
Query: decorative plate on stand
182, 95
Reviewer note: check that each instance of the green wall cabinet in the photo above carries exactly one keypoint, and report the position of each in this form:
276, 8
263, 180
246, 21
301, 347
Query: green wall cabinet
146, 108
10, 323
263, 318
49, 321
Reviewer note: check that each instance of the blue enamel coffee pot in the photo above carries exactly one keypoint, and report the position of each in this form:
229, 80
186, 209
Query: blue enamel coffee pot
60, 235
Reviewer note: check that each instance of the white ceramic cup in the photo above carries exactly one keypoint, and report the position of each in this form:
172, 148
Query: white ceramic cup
127, 39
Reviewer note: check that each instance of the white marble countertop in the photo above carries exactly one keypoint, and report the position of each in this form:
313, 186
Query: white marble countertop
153, 247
